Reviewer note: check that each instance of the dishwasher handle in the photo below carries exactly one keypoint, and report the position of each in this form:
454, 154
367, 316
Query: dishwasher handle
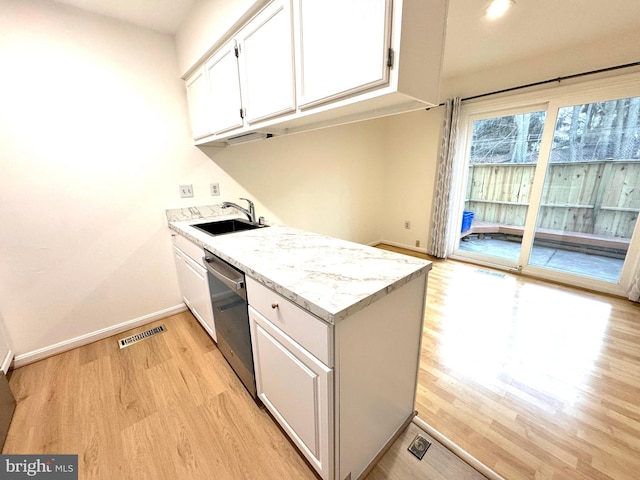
224, 272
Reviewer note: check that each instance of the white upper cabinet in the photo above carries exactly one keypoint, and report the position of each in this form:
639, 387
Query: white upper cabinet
342, 47
308, 64
199, 103
224, 85
251, 78
266, 64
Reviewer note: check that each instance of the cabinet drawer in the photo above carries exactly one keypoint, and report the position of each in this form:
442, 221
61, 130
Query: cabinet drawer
308, 331
189, 248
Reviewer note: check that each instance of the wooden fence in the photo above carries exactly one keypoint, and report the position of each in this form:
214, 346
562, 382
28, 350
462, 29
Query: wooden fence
599, 198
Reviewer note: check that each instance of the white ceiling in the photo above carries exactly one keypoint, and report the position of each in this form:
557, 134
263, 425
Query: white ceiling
531, 28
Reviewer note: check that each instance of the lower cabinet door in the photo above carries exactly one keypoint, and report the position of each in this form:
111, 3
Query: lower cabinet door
194, 286
296, 388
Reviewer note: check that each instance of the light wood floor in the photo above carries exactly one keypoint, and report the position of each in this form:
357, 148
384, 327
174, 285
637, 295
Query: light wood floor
166, 408
537, 381
438, 463
170, 408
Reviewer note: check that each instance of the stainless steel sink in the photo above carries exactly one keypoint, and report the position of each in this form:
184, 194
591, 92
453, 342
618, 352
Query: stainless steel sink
223, 227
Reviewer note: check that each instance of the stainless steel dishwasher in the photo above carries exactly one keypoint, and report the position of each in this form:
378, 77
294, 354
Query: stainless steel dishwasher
231, 317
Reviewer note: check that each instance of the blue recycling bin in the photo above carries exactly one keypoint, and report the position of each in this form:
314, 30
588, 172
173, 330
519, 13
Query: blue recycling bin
467, 218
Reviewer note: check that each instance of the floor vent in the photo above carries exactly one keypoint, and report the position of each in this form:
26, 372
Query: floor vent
489, 272
125, 342
419, 446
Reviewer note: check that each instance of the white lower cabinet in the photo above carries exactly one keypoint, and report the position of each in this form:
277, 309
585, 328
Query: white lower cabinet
342, 391
194, 287
304, 411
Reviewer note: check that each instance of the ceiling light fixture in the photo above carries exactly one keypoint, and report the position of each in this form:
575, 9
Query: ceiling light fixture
498, 8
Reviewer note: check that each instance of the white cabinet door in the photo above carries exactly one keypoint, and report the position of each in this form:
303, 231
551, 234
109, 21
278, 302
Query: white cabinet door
194, 287
295, 387
199, 104
181, 268
343, 47
266, 63
224, 89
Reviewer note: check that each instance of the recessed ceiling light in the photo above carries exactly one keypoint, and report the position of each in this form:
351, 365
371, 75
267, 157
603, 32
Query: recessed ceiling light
498, 8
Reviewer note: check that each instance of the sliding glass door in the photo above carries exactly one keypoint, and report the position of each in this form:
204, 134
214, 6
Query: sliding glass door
591, 193
553, 190
502, 161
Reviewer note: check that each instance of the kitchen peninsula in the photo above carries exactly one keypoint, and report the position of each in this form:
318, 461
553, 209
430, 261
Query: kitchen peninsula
336, 330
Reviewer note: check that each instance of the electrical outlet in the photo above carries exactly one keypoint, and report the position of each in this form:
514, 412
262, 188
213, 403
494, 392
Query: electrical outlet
215, 189
186, 191
417, 243
407, 224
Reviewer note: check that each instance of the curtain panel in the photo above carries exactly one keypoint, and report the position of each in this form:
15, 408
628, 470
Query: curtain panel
443, 193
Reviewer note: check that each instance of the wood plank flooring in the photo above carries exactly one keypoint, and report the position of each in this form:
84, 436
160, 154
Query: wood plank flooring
166, 408
438, 463
170, 408
537, 381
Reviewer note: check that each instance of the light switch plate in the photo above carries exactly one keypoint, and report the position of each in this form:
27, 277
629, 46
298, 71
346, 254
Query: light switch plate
186, 191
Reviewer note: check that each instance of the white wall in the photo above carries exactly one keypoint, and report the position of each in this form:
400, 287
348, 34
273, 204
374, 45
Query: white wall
94, 142
324, 181
410, 168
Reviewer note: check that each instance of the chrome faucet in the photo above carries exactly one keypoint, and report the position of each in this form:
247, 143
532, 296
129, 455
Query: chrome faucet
251, 213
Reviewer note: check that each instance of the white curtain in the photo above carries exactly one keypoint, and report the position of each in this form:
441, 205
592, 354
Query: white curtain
443, 194
634, 291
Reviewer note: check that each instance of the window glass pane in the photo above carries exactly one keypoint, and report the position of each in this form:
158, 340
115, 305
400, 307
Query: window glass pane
598, 131
509, 139
591, 195
502, 162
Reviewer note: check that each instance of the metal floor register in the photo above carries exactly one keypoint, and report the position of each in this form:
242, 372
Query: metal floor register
125, 342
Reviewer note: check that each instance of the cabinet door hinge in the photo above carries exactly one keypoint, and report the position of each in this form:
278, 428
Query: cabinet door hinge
390, 57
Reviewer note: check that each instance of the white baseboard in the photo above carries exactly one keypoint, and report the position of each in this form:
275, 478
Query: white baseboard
42, 353
402, 245
458, 451
6, 363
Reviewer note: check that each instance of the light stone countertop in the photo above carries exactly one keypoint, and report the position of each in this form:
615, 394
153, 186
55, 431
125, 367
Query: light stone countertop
329, 277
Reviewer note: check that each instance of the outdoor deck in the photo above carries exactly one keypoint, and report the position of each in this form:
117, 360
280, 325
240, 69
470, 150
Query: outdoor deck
575, 253
565, 237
